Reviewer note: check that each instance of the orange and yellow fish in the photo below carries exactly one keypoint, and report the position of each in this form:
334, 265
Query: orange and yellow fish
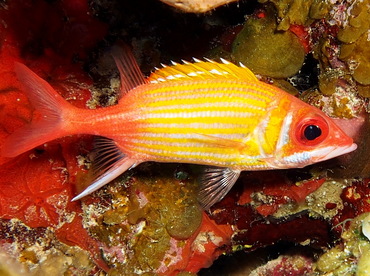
208, 113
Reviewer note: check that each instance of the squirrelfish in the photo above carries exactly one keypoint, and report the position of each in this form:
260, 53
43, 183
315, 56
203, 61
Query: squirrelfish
206, 112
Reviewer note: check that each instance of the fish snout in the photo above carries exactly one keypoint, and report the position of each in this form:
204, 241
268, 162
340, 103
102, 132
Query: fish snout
332, 152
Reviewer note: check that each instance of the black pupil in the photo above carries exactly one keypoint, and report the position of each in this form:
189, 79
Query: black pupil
311, 132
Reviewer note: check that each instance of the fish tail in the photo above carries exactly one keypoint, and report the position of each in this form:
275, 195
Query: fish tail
48, 126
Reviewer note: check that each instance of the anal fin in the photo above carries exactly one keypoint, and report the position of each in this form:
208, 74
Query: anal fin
215, 183
109, 162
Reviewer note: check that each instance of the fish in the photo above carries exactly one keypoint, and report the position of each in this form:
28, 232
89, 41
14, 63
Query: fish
215, 114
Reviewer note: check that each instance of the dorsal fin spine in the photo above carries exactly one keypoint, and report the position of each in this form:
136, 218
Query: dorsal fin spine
201, 70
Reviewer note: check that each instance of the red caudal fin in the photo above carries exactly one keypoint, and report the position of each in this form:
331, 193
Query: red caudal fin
51, 107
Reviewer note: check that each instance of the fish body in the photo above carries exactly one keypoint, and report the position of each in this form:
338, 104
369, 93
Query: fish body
193, 122
208, 113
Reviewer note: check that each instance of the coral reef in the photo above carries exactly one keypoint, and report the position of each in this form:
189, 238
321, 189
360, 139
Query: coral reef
292, 265
148, 222
353, 256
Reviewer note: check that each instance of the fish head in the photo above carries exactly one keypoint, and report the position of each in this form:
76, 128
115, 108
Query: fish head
308, 136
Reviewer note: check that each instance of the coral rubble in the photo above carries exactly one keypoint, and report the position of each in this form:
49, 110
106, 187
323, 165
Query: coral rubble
351, 257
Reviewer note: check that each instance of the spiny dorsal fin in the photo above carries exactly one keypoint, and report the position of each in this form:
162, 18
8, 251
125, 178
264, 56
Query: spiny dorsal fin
201, 70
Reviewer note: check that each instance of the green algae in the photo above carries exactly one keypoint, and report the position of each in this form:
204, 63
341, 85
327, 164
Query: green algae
174, 203
328, 81
358, 22
340, 104
146, 217
361, 74
355, 50
357, 56
315, 203
350, 258
341, 108
298, 12
364, 90
265, 50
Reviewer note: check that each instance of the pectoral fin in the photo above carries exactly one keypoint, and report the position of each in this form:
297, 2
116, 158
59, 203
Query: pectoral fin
109, 162
215, 183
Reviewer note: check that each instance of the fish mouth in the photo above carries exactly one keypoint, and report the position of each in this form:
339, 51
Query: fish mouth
331, 152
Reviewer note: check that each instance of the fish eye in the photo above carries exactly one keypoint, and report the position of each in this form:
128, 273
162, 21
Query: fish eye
311, 132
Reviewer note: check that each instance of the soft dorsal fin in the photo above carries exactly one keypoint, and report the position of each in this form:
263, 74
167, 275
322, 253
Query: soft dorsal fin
129, 70
201, 70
